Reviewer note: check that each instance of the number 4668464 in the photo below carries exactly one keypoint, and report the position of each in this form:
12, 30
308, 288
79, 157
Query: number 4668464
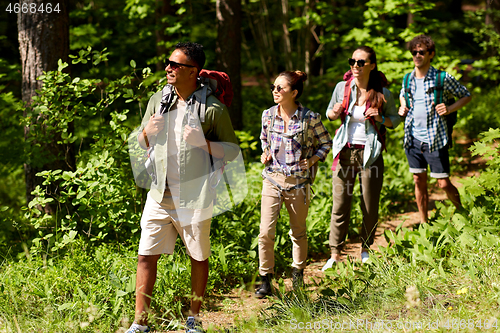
32, 8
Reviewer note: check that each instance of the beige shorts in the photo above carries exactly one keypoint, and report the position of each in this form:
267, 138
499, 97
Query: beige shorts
160, 226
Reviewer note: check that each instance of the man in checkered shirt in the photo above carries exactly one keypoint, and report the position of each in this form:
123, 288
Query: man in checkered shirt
426, 139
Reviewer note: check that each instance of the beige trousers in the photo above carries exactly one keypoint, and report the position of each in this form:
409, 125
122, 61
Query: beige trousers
297, 203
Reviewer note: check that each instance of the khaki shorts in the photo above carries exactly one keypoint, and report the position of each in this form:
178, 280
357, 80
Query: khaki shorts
160, 226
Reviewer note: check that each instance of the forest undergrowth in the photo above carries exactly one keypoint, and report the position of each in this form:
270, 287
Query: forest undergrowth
443, 273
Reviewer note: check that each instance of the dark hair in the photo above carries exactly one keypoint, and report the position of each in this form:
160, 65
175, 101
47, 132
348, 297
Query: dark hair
194, 52
296, 80
422, 40
377, 80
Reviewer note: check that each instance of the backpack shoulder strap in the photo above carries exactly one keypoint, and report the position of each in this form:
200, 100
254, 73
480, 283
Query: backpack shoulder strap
201, 97
304, 118
380, 132
345, 100
450, 119
270, 120
408, 95
439, 87
166, 98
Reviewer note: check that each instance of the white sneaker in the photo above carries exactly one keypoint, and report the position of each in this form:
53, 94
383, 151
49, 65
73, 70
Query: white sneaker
329, 264
194, 325
364, 256
136, 328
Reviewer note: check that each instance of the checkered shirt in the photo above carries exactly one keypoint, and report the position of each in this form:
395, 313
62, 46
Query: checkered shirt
292, 138
436, 124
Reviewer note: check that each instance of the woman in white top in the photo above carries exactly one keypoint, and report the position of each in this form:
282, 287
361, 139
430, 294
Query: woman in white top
366, 108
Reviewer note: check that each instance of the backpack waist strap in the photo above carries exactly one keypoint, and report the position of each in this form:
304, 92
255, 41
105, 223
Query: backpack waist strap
354, 146
267, 176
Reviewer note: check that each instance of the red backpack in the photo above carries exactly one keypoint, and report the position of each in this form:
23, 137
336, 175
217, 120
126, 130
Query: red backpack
223, 89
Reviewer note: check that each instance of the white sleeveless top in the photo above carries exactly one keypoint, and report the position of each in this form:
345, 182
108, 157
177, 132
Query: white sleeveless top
356, 132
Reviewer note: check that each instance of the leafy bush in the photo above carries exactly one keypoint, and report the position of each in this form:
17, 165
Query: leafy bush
99, 199
12, 193
480, 114
437, 243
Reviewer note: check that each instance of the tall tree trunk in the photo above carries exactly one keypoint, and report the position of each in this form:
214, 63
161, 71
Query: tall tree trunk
260, 48
266, 31
493, 5
228, 52
316, 47
335, 47
260, 27
410, 18
286, 35
43, 40
307, 41
163, 9
492, 19
312, 44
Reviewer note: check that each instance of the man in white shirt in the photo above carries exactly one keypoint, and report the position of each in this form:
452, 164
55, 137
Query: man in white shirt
180, 200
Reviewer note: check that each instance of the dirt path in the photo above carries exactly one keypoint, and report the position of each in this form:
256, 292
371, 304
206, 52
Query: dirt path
240, 304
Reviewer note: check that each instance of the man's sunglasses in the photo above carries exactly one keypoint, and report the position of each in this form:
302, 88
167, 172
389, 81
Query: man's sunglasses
360, 62
175, 65
421, 52
279, 88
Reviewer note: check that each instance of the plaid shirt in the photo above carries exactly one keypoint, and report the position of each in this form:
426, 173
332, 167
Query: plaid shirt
292, 140
436, 124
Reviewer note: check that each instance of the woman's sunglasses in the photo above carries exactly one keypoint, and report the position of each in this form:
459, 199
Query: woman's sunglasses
279, 88
421, 52
175, 65
360, 62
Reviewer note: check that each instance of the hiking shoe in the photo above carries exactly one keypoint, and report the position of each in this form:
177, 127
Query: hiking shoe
136, 328
329, 264
265, 289
194, 325
297, 278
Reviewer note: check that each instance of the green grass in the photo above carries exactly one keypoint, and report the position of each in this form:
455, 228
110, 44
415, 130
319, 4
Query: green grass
79, 291
443, 276
447, 270
400, 289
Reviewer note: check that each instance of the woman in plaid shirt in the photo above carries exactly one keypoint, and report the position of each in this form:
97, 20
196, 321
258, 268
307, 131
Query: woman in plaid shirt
293, 140
366, 107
